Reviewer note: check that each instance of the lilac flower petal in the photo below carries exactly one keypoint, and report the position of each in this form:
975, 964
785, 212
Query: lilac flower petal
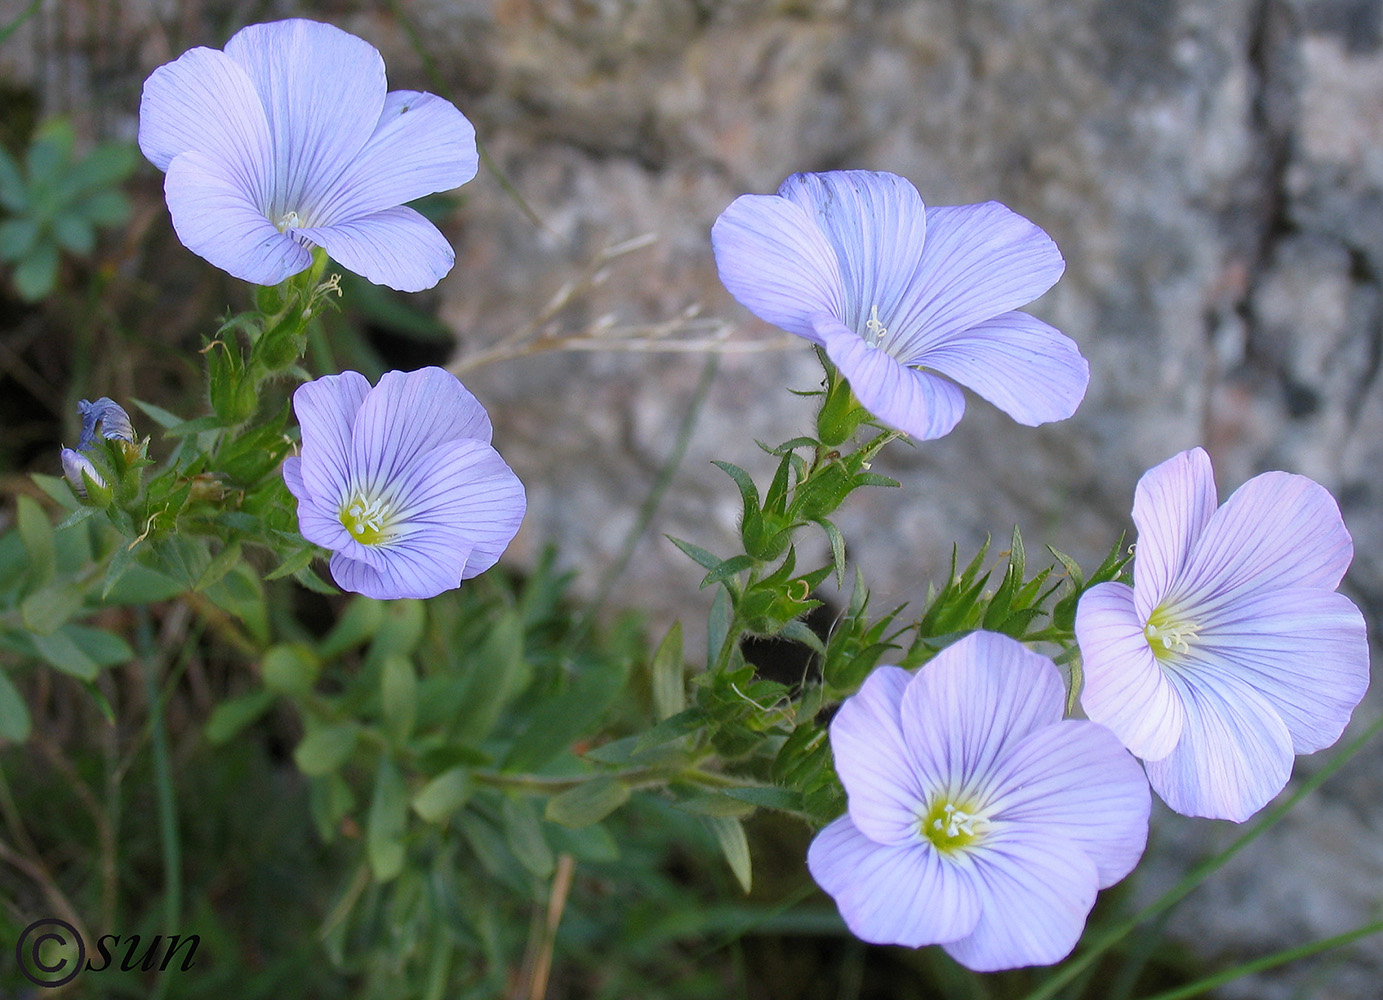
465, 484
1171, 507
966, 708
1028, 369
876, 224
1277, 530
322, 90
215, 219
420, 146
1074, 781
873, 760
406, 416
1306, 651
914, 402
893, 895
1035, 893
419, 571
979, 261
1235, 753
326, 409
776, 262
320, 523
1125, 688
396, 247
293, 477
204, 100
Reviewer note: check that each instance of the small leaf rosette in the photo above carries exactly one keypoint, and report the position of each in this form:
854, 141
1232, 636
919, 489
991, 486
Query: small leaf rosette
288, 140
979, 819
401, 483
1231, 653
899, 295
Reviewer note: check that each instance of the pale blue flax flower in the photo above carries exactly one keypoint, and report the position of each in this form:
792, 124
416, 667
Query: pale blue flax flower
978, 818
898, 295
1232, 652
288, 140
400, 482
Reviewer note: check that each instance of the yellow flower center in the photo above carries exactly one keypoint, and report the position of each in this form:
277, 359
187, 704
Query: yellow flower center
952, 827
1169, 636
367, 519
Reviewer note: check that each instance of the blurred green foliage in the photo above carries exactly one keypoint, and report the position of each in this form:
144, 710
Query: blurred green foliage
55, 200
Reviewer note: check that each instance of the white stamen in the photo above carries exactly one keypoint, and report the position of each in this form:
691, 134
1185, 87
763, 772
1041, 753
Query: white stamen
875, 330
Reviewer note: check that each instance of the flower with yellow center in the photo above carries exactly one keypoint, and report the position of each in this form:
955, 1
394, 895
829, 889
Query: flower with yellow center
1232, 652
978, 818
400, 481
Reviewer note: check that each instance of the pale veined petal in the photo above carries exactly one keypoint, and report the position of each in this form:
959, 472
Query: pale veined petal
1234, 755
326, 409
466, 487
1035, 894
204, 101
971, 703
914, 402
421, 145
293, 477
1304, 650
216, 218
1028, 369
1277, 530
421, 564
978, 262
885, 797
404, 417
876, 224
775, 261
1073, 781
396, 247
322, 90
1125, 687
905, 895
1174, 502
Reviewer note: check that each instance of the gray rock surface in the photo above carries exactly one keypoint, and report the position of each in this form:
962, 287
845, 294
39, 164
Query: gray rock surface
1211, 169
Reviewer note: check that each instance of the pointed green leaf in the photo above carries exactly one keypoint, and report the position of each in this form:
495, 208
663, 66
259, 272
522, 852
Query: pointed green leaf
700, 555
45, 611
444, 794
230, 717
666, 670
587, 803
15, 723
387, 822
290, 668
729, 834
325, 748
399, 696
525, 836
37, 535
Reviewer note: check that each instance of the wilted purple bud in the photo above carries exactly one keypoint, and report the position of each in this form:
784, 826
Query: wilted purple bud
106, 417
74, 463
